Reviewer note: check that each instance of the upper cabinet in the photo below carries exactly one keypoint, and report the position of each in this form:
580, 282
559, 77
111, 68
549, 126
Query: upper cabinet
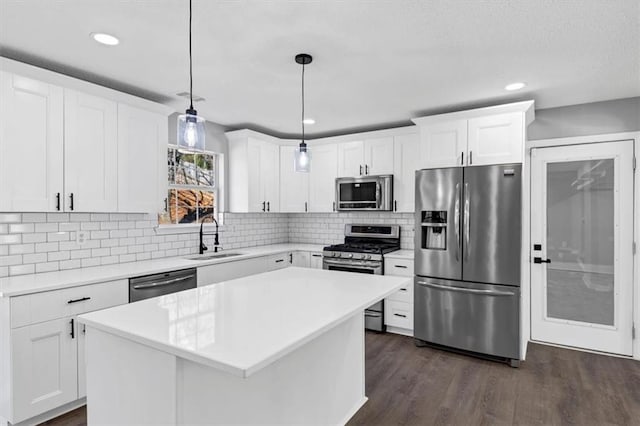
404, 171
254, 169
322, 178
67, 145
31, 144
493, 135
294, 186
367, 157
142, 156
90, 153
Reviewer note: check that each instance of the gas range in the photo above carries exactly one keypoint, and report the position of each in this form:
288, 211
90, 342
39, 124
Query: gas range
363, 252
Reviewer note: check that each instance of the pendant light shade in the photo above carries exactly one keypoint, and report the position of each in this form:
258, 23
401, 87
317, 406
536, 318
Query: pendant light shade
191, 130
302, 156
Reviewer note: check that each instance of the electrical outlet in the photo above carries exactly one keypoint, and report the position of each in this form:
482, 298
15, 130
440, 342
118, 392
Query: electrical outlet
81, 237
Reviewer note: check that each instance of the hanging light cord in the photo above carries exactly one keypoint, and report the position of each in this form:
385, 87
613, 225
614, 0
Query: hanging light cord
303, 102
190, 62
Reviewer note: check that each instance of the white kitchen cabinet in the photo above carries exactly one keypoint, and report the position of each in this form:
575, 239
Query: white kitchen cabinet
294, 186
350, 159
278, 261
322, 178
82, 362
254, 168
142, 165
406, 162
90, 153
398, 308
368, 157
45, 374
443, 144
315, 260
379, 156
301, 259
496, 139
492, 135
31, 145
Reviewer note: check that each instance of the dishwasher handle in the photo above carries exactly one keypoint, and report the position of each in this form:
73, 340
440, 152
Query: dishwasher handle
162, 283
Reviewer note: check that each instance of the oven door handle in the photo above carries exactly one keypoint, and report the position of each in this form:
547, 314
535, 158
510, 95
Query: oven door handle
348, 263
466, 290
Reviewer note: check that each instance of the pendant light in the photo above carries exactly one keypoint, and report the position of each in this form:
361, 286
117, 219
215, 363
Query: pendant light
302, 157
190, 126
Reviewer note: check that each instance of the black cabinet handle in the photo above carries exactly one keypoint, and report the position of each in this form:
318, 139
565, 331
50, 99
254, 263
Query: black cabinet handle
71, 201
290, 257
316, 255
58, 201
400, 315
305, 206
462, 159
366, 169
540, 260
73, 329
268, 206
470, 157
334, 206
166, 204
400, 266
79, 300
403, 289
361, 170
395, 205
279, 260
84, 329
264, 206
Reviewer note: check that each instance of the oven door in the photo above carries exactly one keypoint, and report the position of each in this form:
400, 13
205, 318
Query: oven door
374, 314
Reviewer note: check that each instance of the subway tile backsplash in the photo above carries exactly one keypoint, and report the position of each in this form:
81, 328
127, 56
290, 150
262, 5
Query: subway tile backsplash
44, 242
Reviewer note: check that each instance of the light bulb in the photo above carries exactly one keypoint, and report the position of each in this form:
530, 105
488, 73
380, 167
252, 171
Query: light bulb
303, 159
191, 133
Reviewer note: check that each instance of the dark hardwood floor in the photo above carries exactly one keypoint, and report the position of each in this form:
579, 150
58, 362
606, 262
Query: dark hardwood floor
407, 385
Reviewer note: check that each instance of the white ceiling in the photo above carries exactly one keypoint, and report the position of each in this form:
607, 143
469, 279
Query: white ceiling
376, 63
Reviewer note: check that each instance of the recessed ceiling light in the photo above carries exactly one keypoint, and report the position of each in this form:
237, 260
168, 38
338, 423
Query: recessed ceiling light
309, 121
107, 39
515, 86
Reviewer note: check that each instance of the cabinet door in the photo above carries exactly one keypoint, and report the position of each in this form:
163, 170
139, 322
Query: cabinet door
496, 139
350, 159
404, 172
378, 156
315, 261
269, 175
443, 144
256, 187
294, 186
31, 144
278, 261
142, 153
82, 362
322, 179
301, 259
91, 152
45, 374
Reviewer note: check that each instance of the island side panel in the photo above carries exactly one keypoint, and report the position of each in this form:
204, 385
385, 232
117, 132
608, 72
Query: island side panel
322, 382
128, 383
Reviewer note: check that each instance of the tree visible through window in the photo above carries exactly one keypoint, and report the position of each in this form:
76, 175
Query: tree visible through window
192, 186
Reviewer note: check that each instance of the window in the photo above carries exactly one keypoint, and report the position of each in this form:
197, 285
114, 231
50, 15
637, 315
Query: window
192, 186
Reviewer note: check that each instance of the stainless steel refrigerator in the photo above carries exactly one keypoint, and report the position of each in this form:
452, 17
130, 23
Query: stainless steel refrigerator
467, 259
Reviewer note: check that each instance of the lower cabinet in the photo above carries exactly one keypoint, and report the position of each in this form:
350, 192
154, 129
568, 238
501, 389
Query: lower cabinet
398, 308
279, 261
301, 259
45, 367
315, 260
42, 366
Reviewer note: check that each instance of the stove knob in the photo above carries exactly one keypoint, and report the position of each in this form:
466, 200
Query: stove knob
350, 255
337, 255
368, 257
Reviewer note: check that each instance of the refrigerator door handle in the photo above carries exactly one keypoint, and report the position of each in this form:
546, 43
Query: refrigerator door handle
467, 237
466, 290
456, 221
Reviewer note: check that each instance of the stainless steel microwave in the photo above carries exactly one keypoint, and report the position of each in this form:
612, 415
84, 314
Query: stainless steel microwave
365, 193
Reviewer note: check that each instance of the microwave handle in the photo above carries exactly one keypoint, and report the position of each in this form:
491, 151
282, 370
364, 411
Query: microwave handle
378, 191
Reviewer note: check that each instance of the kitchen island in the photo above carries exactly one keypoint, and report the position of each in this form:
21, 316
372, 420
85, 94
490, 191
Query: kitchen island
282, 347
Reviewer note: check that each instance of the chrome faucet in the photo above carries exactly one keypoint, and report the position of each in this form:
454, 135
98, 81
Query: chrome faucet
216, 242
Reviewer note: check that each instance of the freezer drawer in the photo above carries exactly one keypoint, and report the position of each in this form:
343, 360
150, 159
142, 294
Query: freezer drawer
470, 316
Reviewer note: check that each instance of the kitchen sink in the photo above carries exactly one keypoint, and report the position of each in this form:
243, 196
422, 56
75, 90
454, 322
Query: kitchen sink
213, 256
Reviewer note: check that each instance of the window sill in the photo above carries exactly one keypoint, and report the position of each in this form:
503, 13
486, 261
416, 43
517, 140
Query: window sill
187, 228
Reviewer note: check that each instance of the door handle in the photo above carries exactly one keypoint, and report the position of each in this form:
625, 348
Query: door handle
540, 260
467, 227
456, 221
466, 290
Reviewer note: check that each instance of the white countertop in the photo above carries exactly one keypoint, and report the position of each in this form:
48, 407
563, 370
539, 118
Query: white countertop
34, 283
400, 254
243, 325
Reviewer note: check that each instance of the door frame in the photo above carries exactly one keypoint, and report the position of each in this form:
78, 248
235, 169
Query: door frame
526, 226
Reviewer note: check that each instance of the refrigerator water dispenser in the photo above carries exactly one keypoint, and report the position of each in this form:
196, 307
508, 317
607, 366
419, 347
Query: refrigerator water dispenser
434, 230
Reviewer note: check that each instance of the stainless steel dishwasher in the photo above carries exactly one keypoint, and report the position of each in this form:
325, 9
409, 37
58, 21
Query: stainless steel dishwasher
149, 286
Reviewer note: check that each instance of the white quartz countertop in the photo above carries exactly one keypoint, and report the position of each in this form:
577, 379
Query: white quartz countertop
400, 254
243, 325
35, 283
